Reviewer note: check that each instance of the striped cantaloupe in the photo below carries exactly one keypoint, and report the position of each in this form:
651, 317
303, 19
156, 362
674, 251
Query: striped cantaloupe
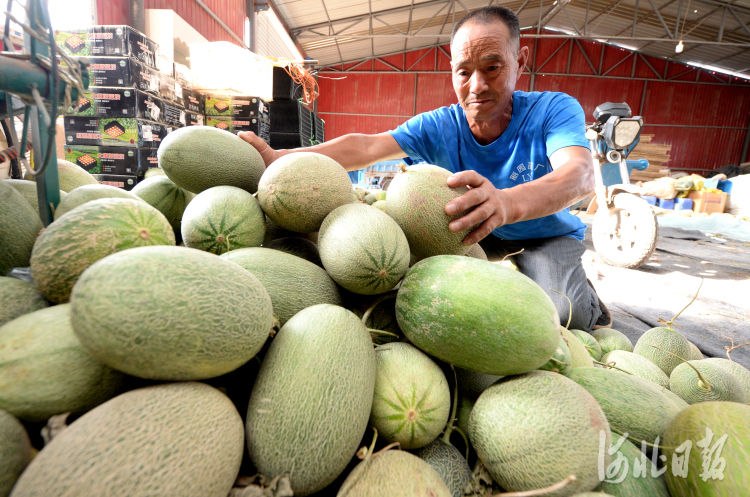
417, 198
610, 340
171, 439
91, 232
300, 189
363, 249
578, 352
714, 384
19, 227
312, 398
292, 283
591, 344
567, 423
673, 348
223, 218
169, 199
412, 400
87, 193
132, 310
17, 298
561, 361
45, 370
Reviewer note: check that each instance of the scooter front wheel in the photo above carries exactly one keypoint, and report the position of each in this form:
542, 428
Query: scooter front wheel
626, 234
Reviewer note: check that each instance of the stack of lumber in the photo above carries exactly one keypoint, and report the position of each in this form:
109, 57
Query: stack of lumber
656, 155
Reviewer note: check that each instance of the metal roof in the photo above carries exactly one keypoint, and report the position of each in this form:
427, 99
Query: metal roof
714, 33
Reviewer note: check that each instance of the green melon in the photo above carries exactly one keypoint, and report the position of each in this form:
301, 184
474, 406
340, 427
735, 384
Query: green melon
87, 193
370, 198
740, 372
463, 413
591, 344
363, 249
534, 430
448, 462
396, 474
296, 246
381, 205
633, 405
89, 233
170, 439
154, 171
718, 384
676, 399
671, 343
44, 369
593, 494
648, 482
19, 227
610, 340
17, 298
451, 306
561, 361
71, 176
221, 219
472, 384
360, 193
15, 451
578, 353
477, 252
417, 198
380, 195
168, 198
312, 398
638, 366
695, 352
300, 189
171, 313
197, 158
412, 399
692, 426
29, 192
292, 283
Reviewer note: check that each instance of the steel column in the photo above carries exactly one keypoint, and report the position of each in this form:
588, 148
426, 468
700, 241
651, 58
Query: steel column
746, 144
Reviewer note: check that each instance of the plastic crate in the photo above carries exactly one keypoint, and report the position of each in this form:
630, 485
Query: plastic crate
291, 116
289, 140
683, 204
284, 87
666, 204
320, 129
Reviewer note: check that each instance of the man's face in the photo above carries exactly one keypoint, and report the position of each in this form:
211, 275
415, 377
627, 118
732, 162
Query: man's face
486, 65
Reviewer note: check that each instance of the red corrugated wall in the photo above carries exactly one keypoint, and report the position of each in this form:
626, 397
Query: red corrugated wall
231, 12
702, 117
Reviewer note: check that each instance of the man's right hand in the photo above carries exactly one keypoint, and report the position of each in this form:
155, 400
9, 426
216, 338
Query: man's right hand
268, 154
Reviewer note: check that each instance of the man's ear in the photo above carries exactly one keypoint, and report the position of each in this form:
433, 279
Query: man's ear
523, 57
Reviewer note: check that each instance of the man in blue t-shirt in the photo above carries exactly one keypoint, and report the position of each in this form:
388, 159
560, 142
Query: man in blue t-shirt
523, 155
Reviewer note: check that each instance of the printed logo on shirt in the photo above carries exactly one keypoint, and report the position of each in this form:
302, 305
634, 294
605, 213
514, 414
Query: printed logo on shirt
525, 172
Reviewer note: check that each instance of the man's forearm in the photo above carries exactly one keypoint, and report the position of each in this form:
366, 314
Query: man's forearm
354, 151
551, 193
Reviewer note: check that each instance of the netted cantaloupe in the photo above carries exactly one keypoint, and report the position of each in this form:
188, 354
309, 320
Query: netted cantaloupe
637, 365
297, 246
15, 451
632, 405
477, 252
412, 400
171, 313
610, 340
648, 482
416, 200
714, 383
171, 200
312, 398
695, 352
45, 370
17, 298
700, 431
363, 249
396, 474
561, 361
197, 158
221, 219
740, 372
91, 232
300, 189
578, 353
87, 193
19, 227
71, 176
664, 347
170, 439
292, 283
512, 338
518, 422
448, 462
591, 344
29, 191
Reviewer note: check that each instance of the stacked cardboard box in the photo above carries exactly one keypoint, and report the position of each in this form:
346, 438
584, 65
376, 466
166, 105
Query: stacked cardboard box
236, 113
657, 155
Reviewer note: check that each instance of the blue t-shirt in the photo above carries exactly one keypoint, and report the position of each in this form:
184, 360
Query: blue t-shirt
541, 124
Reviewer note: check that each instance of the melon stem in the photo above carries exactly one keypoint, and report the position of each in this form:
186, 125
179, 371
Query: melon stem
611, 365
702, 383
570, 307
669, 323
368, 312
531, 493
466, 440
452, 419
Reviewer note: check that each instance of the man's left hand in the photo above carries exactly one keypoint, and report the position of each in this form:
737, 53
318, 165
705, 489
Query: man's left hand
492, 208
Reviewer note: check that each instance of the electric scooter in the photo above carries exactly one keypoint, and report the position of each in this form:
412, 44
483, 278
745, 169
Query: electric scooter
625, 229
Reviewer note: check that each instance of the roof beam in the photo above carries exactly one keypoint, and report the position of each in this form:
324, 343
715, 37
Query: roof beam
661, 19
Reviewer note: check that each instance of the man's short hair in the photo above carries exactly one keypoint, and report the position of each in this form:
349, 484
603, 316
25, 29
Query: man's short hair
488, 15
